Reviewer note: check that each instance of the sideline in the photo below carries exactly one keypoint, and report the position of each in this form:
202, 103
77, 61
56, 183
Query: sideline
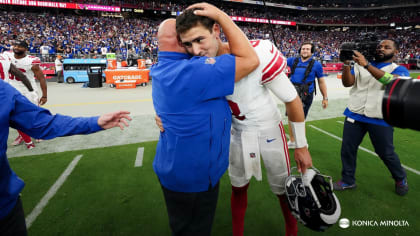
363, 149
139, 157
97, 103
51, 192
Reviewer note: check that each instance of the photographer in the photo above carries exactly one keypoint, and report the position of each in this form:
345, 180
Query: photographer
304, 69
368, 80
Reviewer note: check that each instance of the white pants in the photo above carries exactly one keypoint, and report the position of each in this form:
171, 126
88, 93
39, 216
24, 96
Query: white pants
244, 157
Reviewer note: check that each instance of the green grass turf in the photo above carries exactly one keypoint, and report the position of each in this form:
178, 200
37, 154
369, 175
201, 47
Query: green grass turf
414, 75
107, 195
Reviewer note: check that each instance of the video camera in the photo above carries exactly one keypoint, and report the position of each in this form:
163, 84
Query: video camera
401, 103
366, 46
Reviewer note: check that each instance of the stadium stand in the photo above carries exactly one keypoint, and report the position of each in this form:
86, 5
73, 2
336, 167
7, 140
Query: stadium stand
90, 34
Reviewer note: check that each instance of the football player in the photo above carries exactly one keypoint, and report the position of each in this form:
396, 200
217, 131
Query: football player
256, 128
29, 65
6, 69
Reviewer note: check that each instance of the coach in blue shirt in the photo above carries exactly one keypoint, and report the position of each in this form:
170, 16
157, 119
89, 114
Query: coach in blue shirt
189, 96
19, 113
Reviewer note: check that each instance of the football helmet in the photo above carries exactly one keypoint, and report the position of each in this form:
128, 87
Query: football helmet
311, 199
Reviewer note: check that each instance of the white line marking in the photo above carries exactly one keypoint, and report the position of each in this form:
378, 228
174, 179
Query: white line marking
139, 157
364, 149
341, 122
51, 192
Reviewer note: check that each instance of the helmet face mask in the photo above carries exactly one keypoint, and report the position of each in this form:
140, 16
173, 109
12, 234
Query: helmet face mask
312, 201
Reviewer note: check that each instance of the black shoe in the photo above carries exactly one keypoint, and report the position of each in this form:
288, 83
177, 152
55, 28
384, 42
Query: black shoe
401, 187
340, 186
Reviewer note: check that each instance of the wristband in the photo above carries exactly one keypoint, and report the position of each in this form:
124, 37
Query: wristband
367, 66
298, 129
386, 79
43, 97
325, 99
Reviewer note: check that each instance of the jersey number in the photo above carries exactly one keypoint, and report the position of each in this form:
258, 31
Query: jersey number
235, 110
13, 77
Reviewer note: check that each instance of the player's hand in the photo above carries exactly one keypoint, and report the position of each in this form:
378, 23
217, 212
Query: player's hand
359, 58
114, 119
208, 10
159, 123
324, 103
42, 100
303, 159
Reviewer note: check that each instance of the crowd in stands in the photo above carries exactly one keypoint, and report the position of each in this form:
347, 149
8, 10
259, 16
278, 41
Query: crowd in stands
328, 43
89, 37
79, 36
342, 4
142, 4
399, 15
403, 15
172, 5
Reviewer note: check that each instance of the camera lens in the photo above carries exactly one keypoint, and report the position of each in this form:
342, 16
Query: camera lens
401, 103
346, 51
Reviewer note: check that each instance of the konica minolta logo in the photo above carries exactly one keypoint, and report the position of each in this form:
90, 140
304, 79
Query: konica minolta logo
345, 223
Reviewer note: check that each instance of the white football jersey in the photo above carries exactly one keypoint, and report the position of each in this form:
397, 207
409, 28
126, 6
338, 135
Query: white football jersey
4, 67
25, 65
251, 102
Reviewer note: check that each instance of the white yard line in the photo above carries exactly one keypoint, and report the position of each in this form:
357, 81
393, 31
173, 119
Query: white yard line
362, 148
51, 192
139, 157
341, 122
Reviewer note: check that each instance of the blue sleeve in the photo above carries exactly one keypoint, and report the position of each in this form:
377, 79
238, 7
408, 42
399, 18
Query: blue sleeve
290, 61
38, 122
215, 76
319, 72
401, 71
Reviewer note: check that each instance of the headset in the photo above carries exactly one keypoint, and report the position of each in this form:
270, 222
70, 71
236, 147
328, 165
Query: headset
312, 47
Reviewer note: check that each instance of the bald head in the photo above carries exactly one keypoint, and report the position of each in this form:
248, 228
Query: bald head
167, 37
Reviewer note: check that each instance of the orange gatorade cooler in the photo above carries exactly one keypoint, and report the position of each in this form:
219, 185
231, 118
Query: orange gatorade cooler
112, 64
141, 63
125, 84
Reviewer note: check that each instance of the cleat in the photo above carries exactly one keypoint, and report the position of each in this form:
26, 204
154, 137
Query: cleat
18, 141
340, 186
30, 145
401, 187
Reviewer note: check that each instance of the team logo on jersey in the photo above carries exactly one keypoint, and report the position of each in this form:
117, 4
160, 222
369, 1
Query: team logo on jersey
210, 60
252, 155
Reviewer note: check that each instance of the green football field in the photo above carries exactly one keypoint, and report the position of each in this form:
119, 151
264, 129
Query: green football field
414, 75
105, 194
